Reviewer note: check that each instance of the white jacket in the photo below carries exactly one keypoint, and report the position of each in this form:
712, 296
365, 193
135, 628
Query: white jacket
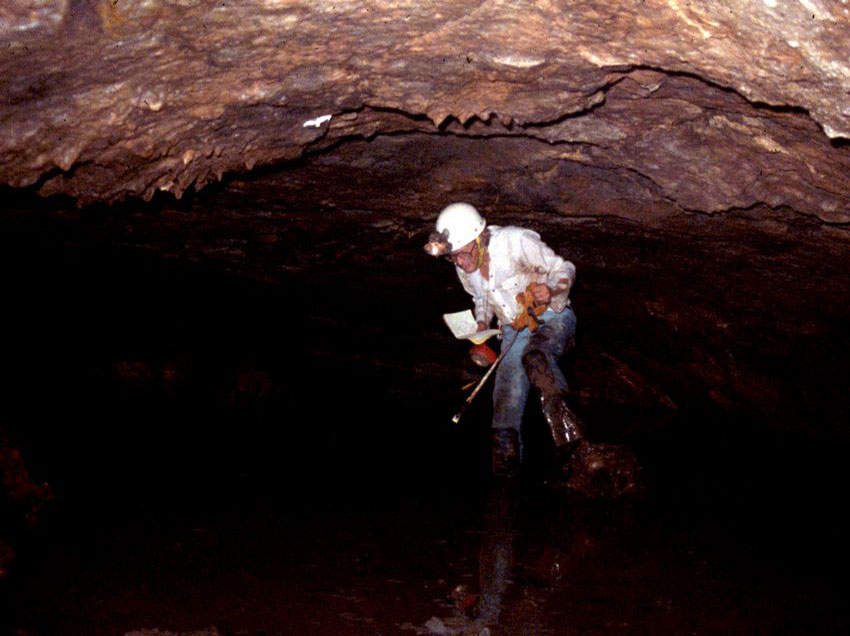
517, 257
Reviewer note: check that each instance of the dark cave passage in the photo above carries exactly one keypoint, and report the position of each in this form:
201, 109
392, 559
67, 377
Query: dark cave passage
277, 457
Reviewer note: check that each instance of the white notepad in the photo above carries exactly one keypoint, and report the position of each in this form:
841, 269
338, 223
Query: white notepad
464, 327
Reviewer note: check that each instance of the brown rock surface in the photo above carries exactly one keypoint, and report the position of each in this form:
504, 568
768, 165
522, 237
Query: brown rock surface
718, 106
17, 488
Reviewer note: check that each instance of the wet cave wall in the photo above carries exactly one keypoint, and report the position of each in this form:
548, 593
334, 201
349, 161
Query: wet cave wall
212, 244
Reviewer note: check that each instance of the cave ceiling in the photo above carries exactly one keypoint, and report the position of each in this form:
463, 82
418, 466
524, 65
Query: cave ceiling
709, 105
691, 158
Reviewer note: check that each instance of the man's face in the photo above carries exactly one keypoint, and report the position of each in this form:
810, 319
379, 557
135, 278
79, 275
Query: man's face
466, 257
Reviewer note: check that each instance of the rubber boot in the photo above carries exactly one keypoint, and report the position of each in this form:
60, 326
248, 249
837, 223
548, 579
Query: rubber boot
506, 454
564, 425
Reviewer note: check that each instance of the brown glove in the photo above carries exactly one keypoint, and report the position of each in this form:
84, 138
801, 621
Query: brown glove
529, 311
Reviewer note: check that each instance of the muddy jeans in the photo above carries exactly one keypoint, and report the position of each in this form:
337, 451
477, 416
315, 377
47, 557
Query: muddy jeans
512, 384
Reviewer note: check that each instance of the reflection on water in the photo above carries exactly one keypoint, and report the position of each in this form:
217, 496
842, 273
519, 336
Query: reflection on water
496, 558
503, 560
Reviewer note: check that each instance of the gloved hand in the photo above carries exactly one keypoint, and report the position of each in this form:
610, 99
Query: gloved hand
530, 307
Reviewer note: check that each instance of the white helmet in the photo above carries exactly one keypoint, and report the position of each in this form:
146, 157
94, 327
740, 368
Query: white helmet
461, 223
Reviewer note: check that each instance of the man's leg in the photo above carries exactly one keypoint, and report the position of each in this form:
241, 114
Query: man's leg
540, 361
510, 394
